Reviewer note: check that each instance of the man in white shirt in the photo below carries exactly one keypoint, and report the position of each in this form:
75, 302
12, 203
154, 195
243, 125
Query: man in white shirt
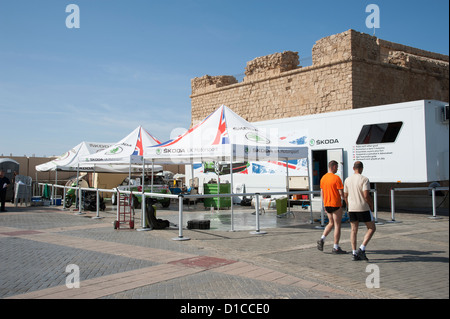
360, 207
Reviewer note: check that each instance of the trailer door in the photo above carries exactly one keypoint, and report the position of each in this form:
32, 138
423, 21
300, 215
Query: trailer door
320, 160
337, 155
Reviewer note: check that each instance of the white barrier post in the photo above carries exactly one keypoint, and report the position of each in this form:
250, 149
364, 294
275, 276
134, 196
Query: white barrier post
98, 206
322, 215
433, 198
143, 210
375, 207
258, 231
180, 220
392, 207
80, 197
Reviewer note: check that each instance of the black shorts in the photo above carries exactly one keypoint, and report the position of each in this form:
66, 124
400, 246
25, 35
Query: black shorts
362, 217
331, 210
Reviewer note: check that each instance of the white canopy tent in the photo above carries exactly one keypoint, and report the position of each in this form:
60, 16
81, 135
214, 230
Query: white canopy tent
225, 136
119, 156
128, 152
70, 160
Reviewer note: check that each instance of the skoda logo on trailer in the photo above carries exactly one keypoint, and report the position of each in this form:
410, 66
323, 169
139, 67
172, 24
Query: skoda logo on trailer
313, 142
255, 137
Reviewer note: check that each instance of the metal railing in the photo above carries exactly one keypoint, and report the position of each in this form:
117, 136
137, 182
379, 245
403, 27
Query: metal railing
180, 199
433, 198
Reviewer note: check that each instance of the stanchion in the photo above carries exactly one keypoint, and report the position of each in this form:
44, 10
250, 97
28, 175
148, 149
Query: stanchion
80, 197
258, 231
322, 219
144, 217
180, 220
375, 208
433, 198
98, 207
322, 216
392, 208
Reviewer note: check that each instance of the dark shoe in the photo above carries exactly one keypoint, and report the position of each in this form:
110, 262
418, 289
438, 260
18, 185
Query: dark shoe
360, 255
356, 257
320, 245
338, 251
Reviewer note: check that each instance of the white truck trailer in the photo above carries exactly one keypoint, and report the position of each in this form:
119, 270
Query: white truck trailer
397, 143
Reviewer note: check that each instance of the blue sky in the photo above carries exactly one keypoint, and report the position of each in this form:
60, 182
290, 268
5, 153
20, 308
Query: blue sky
131, 62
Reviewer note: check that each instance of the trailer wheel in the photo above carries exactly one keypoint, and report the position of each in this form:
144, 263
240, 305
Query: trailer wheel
116, 224
132, 224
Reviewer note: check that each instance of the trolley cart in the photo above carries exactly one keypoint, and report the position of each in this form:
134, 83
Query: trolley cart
125, 210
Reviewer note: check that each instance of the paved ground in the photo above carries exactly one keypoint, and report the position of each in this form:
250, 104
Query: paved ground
38, 243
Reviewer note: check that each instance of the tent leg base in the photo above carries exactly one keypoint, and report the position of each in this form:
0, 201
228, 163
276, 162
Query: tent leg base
258, 232
181, 238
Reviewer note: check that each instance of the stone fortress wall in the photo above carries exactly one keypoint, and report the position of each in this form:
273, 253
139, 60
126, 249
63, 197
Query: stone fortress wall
349, 70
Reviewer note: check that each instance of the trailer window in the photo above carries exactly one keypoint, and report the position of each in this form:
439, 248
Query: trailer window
379, 133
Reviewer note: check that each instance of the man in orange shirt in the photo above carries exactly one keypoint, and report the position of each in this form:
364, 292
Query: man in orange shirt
332, 195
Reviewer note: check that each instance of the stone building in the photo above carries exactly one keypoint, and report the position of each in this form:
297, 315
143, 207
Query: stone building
349, 70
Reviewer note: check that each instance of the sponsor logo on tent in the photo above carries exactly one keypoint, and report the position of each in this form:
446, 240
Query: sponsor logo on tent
255, 137
115, 150
63, 156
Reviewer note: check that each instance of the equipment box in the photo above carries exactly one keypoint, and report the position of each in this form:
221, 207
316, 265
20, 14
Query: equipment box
198, 224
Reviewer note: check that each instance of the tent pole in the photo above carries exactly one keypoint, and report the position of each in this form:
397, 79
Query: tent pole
232, 198
153, 172
79, 190
129, 174
37, 184
97, 216
192, 175
310, 194
192, 183
287, 187
55, 189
